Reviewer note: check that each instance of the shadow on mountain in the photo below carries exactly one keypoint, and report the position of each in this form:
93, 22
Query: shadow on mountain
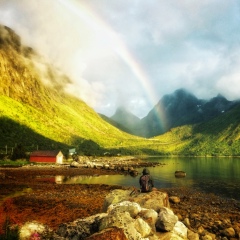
13, 134
228, 122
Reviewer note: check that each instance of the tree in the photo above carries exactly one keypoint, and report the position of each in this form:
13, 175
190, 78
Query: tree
18, 152
90, 148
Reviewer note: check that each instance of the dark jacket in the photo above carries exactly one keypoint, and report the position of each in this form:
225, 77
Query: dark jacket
146, 172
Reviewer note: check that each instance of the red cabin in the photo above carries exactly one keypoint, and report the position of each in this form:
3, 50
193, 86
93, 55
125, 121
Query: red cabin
54, 156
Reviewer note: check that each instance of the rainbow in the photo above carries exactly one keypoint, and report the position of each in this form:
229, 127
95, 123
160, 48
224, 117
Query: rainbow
96, 23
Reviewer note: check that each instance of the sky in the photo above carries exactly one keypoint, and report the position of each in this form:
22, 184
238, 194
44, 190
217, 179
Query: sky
132, 53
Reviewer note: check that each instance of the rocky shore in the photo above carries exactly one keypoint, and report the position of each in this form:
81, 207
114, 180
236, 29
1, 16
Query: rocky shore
25, 197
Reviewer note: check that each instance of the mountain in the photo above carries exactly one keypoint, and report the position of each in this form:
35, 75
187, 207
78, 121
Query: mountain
114, 123
219, 136
181, 108
127, 120
173, 110
36, 111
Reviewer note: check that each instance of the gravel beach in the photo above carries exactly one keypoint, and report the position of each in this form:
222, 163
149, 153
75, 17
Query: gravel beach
30, 194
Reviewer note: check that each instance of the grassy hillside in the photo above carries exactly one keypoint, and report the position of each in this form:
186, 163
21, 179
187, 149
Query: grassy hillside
220, 136
70, 126
35, 112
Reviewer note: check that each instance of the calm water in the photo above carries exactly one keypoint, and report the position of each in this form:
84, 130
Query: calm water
217, 175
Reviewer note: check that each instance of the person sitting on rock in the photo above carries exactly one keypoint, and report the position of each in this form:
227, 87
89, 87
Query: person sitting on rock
146, 181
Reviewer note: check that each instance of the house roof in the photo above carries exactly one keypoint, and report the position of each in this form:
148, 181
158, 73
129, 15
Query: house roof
46, 153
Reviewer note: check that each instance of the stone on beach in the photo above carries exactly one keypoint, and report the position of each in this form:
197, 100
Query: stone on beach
130, 215
152, 200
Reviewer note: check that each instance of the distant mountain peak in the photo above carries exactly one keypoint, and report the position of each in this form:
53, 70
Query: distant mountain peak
179, 108
123, 113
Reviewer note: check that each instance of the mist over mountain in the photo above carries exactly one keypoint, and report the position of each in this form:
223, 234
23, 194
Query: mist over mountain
25, 76
179, 108
127, 119
35, 111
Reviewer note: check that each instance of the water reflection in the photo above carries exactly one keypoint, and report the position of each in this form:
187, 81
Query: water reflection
217, 175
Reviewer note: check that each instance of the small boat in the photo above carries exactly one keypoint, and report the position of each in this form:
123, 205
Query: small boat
180, 174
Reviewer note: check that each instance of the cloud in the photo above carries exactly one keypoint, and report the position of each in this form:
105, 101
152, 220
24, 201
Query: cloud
119, 52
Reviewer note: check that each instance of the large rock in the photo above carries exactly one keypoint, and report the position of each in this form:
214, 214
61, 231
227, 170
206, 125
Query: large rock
75, 164
181, 230
153, 200
174, 199
124, 215
30, 230
166, 220
121, 220
128, 215
131, 207
80, 228
115, 196
150, 216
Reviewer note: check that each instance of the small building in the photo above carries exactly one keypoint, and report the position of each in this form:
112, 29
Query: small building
72, 151
50, 156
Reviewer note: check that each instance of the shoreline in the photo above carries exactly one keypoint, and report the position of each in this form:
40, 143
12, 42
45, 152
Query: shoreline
53, 204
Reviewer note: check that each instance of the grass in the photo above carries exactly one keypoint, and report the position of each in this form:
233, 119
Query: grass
43, 116
17, 163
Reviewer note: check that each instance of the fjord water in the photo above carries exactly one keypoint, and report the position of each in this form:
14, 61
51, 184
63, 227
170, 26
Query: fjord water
212, 175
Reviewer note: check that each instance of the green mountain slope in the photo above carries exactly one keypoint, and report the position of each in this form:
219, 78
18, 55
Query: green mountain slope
219, 136
36, 100
36, 112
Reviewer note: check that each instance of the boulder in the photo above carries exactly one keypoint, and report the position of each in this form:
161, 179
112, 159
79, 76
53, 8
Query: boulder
75, 164
121, 220
106, 166
115, 196
152, 200
180, 174
131, 207
181, 230
166, 220
174, 199
150, 216
98, 165
142, 227
80, 228
30, 230
128, 216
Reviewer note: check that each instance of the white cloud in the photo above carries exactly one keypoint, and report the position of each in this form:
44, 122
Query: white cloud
179, 43
230, 86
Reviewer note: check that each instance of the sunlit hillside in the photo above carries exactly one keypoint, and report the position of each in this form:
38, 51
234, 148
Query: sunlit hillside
219, 136
37, 113
35, 110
